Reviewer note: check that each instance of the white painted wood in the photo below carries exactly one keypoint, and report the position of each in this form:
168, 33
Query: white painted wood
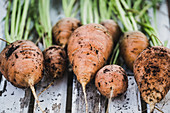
53, 100
96, 101
129, 102
12, 99
163, 23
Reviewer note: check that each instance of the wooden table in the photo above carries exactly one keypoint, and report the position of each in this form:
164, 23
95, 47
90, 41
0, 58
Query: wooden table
66, 95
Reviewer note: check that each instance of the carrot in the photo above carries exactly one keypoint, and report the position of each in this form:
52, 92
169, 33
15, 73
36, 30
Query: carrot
151, 68
113, 29
55, 61
21, 63
111, 80
88, 49
91, 12
62, 30
88, 40
54, 55
111, 77
131, 45
151, 71
133, 41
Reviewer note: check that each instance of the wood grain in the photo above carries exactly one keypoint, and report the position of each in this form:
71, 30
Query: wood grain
13, 99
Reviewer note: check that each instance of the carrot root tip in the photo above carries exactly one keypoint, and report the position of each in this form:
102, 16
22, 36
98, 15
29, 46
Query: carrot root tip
35, 96
84, 91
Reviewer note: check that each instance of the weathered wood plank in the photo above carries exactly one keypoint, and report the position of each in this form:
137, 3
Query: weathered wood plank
129, 102
163, 24
53, 100
96, 101
13, 99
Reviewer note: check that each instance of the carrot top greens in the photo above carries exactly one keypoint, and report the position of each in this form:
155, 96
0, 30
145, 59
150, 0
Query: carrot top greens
88, 10
120, 8
95, 11
70, 8
19, 24
134, 12
145, 21
43, 22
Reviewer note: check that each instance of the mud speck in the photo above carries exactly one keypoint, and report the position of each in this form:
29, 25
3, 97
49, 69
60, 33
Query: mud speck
56, 107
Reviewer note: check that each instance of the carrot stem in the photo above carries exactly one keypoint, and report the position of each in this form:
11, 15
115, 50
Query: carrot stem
90, 12
18, 19
166, 43
27, 28
104, 14
116, 57
13, 18
131, 18
23, 19
115, 54
145, 22
7, 23
137, 4
143, 11
96, 14
43, 23
122, 15
68, 6
83, 10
